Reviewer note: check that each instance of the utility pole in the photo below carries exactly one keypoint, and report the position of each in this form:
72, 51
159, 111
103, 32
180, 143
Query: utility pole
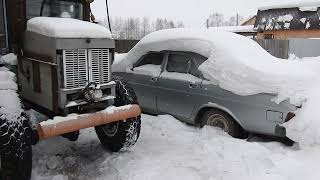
237, 19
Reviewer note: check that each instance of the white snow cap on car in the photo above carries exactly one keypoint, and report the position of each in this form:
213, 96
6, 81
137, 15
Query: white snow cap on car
67, 28
235, 63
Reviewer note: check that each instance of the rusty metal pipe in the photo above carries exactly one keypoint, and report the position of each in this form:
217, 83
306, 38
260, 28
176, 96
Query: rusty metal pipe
46, 131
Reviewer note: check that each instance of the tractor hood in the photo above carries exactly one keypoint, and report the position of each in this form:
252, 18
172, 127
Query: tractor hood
67, 28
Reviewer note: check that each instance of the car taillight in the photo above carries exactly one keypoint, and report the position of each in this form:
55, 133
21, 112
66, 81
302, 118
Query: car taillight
289, 116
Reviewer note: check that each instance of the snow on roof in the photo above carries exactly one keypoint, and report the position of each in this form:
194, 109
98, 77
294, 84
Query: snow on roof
236, 29
237, 63
67, 28
303, 6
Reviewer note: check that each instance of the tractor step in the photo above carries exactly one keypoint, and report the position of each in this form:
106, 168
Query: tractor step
52, 128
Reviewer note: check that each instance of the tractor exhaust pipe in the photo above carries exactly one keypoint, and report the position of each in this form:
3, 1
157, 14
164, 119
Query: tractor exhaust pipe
49, 128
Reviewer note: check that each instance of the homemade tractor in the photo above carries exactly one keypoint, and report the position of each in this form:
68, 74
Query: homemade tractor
64, 66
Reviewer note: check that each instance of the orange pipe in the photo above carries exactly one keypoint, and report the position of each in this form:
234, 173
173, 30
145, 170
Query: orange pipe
82, 122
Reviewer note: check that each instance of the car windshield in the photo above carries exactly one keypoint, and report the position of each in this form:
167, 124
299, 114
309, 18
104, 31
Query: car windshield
54, 8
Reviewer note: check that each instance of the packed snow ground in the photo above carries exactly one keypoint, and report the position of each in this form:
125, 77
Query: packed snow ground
169, 149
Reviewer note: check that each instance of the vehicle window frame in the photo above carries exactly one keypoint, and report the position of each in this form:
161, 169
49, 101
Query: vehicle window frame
137, 64
192, 55
42, 6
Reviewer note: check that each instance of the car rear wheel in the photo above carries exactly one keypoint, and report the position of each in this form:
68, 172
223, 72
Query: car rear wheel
224, 121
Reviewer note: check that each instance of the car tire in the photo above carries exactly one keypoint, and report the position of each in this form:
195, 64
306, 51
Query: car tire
220, 119
15, 148
122, 134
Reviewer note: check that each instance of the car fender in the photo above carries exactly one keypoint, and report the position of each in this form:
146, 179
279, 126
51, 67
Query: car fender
219, 107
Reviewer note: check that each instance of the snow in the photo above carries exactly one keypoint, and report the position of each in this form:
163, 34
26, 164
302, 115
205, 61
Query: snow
237, 63
304, 128
302, 5
181, 76
235, 29
285, 18
60, 119
118, 57
10, 106
148, 69
67, 28
169, 149
308, 25
10, 59
303, 20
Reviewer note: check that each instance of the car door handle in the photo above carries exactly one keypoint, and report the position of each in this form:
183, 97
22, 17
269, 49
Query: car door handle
154, 79
193, 86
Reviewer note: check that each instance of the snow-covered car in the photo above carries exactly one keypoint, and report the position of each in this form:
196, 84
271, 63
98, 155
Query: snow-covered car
209, 77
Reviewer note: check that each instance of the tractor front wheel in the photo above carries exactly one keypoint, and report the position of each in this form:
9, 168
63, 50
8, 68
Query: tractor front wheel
15, 148
125, 133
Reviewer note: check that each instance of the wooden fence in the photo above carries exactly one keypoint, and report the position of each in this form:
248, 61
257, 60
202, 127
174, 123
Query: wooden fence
124, 46
277, 48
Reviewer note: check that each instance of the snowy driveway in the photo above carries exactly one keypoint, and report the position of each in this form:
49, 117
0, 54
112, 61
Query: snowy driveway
168, 149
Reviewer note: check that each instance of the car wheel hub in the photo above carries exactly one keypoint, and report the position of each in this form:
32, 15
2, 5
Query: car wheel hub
111, 129
219, 121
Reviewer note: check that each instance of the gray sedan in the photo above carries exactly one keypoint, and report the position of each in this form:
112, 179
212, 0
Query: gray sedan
169, 82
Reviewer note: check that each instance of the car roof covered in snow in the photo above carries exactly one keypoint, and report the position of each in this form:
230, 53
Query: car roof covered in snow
67, 28
235, 63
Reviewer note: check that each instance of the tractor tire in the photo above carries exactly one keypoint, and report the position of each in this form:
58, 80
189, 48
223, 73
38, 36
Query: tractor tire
15, 148
122, 134
220, 119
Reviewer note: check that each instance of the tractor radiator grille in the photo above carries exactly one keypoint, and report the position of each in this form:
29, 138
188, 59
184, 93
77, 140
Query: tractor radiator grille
100, 67
75, 68
82, 66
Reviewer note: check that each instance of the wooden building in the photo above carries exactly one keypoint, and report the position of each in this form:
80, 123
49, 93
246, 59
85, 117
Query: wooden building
300, 20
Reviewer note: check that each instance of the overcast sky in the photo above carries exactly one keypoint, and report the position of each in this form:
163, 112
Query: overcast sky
192, 12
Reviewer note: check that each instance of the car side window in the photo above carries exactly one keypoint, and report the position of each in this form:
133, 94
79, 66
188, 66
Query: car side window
196, 62
179, 63
185, 63
151, 58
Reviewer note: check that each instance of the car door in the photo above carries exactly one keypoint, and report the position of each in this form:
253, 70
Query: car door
178, 85
143, 79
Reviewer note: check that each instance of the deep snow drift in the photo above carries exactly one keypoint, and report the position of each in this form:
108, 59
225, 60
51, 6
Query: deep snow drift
168, 149
67, 28
236, 63
10, 105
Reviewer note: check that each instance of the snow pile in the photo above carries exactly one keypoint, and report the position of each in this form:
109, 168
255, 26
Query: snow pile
237, 63
304, 128
10, 59
67, 28
118, 57
169, 149
10, 107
